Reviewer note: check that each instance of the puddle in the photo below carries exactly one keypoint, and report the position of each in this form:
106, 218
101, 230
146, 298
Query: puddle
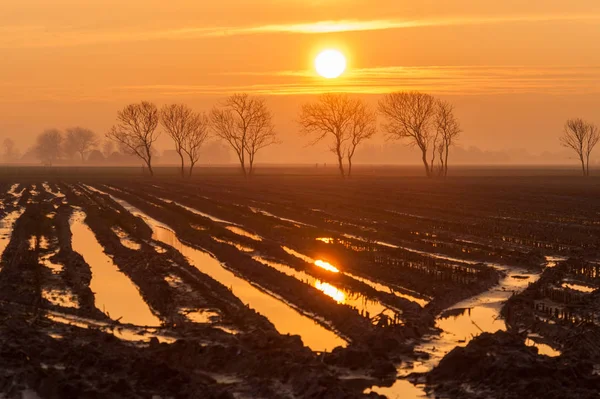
286, 319
295, 222
402, 389
241, 232
6, 228
55, 267
43, 242
460, 324
200, 316
126, 240
115, 294
122, 332
469, 318
240, 247
342, 296
552, 261
543, 349
326, 266
326, 240
377, 286
57, 194
416, 251
32, 243
63, 298
197, 212
577, 286
13, 190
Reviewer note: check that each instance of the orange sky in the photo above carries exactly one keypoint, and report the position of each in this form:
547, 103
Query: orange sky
515, 70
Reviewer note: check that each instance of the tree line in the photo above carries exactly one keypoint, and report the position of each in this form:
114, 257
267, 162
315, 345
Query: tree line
245, 124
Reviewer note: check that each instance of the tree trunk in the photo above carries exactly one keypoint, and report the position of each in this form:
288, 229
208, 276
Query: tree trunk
446, 161
582, 165
341, 164
424, 158
587, 165
192, 163
243, 163
349, 166
149, 163
182, 165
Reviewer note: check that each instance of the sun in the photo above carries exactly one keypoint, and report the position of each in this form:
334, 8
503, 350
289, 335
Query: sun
330, 64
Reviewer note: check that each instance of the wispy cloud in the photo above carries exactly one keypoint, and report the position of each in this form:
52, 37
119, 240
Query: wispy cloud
439, 80
450, 80
41, 36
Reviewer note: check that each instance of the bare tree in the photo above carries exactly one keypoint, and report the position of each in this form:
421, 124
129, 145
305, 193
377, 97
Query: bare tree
80, 141
48, 146
410, 115
348, 121
108, 148
175, 119
581, 137
10, 153
188, 129
261, 135
245, 123
135, 131
447, 132
197, 135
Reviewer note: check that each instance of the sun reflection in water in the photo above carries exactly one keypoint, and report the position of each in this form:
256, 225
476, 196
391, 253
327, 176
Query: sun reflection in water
331, 291
326, 240
327, 266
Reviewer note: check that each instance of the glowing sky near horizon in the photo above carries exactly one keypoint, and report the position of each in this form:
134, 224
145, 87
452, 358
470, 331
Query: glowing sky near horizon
69, 62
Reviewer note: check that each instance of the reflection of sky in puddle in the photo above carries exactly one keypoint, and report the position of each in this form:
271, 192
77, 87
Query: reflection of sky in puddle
241, 247
577, 286
126, 240
197, 212
286, 319
114, 292
200, 316
292, 221
43, 242
471, 317
121, 332
6, 228
57, 194
326, 240
402, 389
543, 349
242, 232
63, 298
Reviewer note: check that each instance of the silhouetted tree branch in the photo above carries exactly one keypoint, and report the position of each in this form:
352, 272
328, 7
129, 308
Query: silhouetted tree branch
135, 130
348, 121
410, 115
245, 123
447, 130
581, 137
199, 129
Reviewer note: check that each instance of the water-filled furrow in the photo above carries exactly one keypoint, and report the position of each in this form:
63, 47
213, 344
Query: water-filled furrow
115, 294
284, 317
377, 286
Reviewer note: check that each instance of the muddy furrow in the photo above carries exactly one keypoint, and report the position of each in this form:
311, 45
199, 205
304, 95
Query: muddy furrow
343, 318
